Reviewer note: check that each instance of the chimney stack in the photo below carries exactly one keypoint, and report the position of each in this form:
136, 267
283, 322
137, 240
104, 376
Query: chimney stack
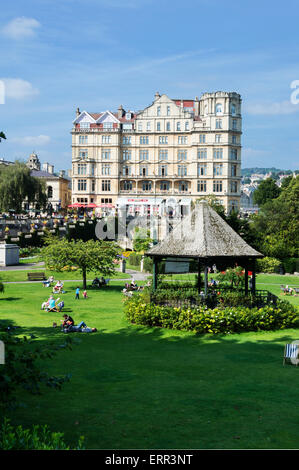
157, 95
77, 112
120, 112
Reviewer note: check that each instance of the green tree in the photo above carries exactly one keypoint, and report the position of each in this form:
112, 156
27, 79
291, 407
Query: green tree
141, 239
90, 256
214, 203
277, 224
266, 191
17, 185
2, 136
286, 181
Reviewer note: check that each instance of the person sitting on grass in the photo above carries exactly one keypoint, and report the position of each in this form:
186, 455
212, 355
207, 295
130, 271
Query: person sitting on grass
52, 305
96, 282
67, 321
46, 303
133, 285
60, 305
48, 282
58, 287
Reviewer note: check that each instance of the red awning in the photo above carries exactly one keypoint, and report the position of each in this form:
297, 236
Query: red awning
76, 204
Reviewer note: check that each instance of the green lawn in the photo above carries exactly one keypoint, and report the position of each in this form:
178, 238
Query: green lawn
134, 387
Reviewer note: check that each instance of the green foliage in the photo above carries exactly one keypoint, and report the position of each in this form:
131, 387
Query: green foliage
291, 265
17, 185
2, 136
134, 259
141, 239
29, 251
266, 191
277, 224
22, 366
37, 438
148, 264
233, 276
203, 320
90, 256
213, 202
268, 265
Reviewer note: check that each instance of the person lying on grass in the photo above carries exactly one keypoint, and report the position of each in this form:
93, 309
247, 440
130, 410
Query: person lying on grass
81, 328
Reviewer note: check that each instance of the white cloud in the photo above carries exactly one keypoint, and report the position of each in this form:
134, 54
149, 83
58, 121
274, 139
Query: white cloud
21, 28
282, 107
18, 89
33, 141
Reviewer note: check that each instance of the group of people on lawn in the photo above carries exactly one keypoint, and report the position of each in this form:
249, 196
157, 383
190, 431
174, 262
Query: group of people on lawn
287, 290
52, 305
57, 289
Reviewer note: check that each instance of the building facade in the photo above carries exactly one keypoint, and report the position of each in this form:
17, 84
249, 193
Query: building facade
175, 148
58, 186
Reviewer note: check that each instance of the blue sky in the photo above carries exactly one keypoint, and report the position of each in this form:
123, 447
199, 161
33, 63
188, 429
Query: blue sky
57, 55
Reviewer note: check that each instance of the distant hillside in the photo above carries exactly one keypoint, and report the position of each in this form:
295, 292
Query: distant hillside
263, 171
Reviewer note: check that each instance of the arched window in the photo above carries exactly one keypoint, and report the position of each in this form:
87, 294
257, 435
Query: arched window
50, 192
218, 108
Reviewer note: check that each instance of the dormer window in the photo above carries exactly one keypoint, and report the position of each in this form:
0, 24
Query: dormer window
84, 125
159, 111
218, 108
128, 116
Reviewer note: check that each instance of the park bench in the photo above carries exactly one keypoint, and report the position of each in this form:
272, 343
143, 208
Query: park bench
36, 276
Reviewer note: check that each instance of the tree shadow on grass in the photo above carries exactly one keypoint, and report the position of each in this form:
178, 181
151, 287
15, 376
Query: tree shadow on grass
11, 298
166, 379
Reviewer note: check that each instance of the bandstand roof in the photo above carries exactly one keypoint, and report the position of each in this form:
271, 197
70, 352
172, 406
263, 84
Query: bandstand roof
203, 234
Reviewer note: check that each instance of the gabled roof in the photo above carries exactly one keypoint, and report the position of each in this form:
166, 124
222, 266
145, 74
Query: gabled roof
88, 117
203, 234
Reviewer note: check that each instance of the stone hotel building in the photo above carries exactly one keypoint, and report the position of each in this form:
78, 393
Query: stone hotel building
174, 150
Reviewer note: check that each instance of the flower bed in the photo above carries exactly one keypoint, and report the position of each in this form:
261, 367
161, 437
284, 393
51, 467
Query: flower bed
200, 319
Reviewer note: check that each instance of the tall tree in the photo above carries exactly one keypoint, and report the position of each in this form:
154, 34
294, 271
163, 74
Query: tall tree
17, 185
266, 191
90, 256
2, 136
277, 224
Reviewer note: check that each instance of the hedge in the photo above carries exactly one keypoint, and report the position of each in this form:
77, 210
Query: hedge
203, 320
